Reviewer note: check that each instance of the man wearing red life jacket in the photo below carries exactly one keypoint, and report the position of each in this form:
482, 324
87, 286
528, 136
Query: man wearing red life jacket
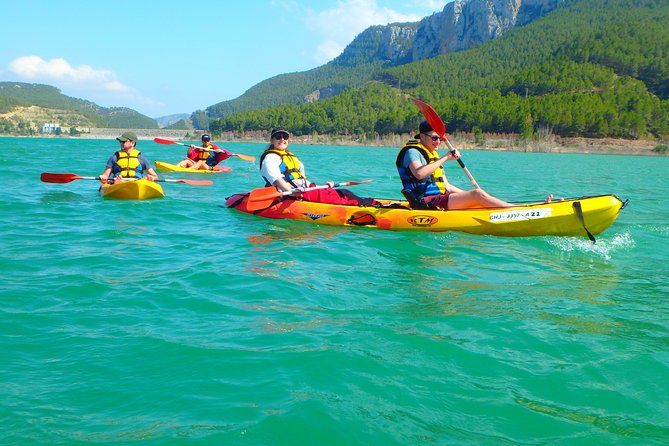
205, 157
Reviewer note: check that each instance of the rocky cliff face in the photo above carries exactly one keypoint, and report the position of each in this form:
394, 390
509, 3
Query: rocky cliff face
391, 43
462, 24
468, 23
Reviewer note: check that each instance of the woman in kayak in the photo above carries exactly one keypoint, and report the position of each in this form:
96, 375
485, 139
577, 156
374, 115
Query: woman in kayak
127, 162
424, 181
281, 169
199, 158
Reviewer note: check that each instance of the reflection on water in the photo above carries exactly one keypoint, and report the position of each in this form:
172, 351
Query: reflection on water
64, 197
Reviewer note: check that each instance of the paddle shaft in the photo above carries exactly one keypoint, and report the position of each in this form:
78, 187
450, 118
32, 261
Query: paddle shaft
462, 164
263, 197
325, 186
49, 177
169, 141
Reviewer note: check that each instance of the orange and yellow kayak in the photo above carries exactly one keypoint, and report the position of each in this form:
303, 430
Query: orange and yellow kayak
132, 190
571, 217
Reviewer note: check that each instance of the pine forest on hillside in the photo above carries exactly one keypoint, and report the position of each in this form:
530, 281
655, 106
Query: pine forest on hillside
597, 68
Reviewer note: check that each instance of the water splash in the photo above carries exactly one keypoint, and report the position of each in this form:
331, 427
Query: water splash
604, 247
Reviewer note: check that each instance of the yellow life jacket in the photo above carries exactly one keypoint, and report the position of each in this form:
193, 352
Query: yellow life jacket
434, 184
128, 164
202, 155
290, 165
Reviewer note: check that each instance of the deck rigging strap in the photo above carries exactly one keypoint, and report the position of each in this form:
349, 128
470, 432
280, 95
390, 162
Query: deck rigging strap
579, 212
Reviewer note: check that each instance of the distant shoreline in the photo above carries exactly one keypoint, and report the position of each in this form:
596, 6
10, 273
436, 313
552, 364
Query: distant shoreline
495, 143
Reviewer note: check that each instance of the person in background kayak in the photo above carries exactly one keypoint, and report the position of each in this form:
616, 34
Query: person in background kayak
283, 170
127, 162
200, 159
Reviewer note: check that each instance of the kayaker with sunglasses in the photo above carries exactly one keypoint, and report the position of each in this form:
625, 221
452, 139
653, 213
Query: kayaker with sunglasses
128, 162
424, 181
282, 169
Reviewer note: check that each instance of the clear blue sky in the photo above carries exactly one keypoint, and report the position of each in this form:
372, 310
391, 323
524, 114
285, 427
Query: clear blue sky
166, 57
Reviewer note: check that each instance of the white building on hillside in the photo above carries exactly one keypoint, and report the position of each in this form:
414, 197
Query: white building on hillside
50, 128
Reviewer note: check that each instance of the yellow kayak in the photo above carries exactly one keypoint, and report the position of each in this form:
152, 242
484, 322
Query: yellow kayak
571, 217
132, 190
167, 167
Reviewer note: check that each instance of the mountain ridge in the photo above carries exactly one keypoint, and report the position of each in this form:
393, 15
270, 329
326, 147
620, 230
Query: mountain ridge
71, 112
462, 24
593, 68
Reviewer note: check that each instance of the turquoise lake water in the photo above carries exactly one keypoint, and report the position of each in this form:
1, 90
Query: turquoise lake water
179, 321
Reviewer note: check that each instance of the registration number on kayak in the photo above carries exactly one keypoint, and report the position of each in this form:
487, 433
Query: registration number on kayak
529, 214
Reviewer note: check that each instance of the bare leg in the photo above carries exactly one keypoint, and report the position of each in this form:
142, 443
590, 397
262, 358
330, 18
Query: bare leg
186, 163
475, 198
200, 165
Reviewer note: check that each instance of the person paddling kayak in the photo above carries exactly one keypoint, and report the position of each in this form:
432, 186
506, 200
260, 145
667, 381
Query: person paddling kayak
127, 162
424, 182
283, 170
199, 158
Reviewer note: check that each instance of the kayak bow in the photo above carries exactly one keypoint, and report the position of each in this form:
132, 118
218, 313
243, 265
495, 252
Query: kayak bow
132, 190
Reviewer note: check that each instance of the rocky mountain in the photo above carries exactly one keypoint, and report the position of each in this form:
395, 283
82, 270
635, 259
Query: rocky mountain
594, 68
390, 44
166, 121
467, 24
461, 25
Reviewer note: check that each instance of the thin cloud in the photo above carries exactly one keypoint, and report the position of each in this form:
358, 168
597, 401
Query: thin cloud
340, 25
59, 70
83, 81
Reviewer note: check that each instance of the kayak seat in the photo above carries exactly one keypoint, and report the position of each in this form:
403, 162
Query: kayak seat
416, 202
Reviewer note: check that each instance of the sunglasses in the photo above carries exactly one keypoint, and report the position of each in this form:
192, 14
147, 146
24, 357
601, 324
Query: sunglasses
282, 136
434, 137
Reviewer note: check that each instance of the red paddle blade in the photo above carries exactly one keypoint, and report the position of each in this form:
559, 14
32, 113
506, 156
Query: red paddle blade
49, 177
164, 141
431, 117
352, 183
261, 198
195, 182
252, 206
245, 157
264, 194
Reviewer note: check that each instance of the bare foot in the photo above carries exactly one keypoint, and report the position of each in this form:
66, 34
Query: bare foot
549, 199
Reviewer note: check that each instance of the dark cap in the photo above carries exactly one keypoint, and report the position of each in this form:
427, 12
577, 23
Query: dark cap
127, 136
279, 130
206, 137
424, 127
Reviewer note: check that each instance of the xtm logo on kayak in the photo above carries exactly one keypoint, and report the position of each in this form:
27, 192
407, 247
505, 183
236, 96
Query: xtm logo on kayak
422, 220
315, 216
